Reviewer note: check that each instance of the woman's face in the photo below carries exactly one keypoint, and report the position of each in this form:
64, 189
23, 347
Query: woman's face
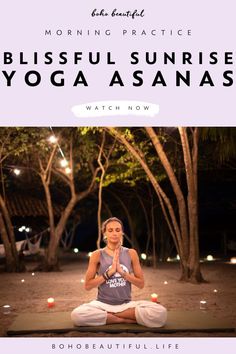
114, 232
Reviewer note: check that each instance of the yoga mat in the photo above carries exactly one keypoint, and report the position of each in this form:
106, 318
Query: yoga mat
178, 321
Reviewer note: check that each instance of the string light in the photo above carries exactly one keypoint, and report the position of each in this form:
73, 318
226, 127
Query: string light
210, 258
61, 152
67, 170
233, 260
24, 228
16, 171
143, 256
53, 139
76, 250
64, 163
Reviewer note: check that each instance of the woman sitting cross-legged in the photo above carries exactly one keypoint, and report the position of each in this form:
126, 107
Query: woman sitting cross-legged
113, 269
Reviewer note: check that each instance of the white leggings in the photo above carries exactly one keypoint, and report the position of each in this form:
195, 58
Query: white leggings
94, 313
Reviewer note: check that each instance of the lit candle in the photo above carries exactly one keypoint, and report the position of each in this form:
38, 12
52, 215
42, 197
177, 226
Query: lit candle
51, 302
203, 305
6, 309
154, 297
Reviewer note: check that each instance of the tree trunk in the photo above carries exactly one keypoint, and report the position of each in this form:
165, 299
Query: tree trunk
147, 222
165, 203
70, 235
176, 188
192, 275
154, 257
49, 205
51, 261
99, 211
131, 225
10, 232
191, 162
184, 226
10, 265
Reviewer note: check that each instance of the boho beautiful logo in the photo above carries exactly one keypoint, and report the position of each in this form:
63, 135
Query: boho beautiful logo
116, 13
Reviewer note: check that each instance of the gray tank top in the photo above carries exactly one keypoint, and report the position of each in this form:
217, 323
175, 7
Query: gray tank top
116, 290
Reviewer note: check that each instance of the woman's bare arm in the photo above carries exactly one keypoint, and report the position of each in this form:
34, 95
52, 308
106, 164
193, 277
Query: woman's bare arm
91, 280
137, 278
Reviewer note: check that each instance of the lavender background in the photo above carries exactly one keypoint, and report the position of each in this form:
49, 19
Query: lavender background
22, 29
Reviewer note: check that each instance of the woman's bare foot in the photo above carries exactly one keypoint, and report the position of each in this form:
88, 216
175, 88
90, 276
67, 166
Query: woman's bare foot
127, 314
112, 318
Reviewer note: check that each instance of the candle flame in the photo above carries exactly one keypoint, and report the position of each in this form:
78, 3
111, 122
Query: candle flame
154, 295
